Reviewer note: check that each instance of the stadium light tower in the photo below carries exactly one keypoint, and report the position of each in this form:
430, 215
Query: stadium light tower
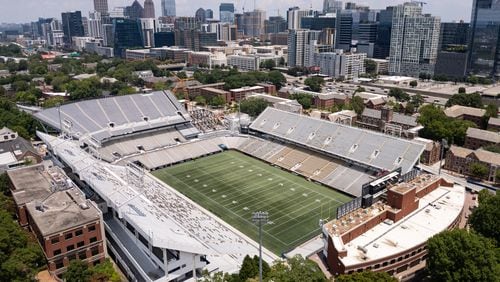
260, 218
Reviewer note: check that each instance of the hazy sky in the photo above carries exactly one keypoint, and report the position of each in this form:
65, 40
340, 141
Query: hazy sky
17, 11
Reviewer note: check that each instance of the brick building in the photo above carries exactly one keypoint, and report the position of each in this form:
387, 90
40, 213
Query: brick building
391, 235
432, 151
66, 225
386, 120
474, 115
194, 91
241, 93
477, 138
460, 159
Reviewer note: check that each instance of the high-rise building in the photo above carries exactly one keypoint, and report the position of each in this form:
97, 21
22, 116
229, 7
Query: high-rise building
331, 6
253, 22
484, 46
49, 30
164, 38
452, 54
318, 22
348, 22
182, 23
414, 41
168, 8
127, 34
384, 29
209, 14
72, 25
148, 28
95, 24
200, 15
226, 12
275, 24
101, 6
298, 39
134, 11
341, 65
149, 10
294, 16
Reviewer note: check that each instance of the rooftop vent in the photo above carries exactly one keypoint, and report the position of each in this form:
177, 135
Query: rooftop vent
398, 161
111, 124
354, 148
290, 130
311, 136
276, 125
375, 154
84, 206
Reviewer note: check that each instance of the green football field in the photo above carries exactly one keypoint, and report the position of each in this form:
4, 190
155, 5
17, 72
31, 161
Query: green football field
233, 185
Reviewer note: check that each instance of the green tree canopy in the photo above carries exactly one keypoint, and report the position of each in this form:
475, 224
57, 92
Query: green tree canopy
399, 94
478, 170
358, 105
78, 271
268, 64
371, 66
253, 106
413, 83
366, 276
314, 83
303, 99
485, 218
296, 269
467, 100
459, 255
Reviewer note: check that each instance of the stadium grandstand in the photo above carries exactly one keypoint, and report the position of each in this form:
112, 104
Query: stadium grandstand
95, 122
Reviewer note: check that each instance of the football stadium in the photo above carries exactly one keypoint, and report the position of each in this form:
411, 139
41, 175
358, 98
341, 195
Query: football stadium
186, 188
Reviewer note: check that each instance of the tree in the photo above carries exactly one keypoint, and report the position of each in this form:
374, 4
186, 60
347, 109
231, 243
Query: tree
182, 75
484, 219
200, 100
253, 106
217, 101
417, 100
399, 94
366, 276
53, 101
478, 170
413, 83
277, 78
314, 83
296, 269
78, 271
104, 271
467, 100
410, 109
303, 99
268, 64
462, 90
358, 105
248, 269
370, 66
459, 255
265, 267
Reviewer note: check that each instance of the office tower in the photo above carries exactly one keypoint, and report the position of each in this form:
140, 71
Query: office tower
452, 55
484, 46
149, 10
107, 35
298, 39
341, 64
319, 22
182, 23
127, 34
453, 34
414, 41
226, 12
209, 14
294, 15
253, 23
348, 22
168, 8
101, 6
148, 28
72, 26
367, 38
85, 23
200, 15
95, 25
134, 11
275, 25
164, 38
49, 30
331, 6
384, 29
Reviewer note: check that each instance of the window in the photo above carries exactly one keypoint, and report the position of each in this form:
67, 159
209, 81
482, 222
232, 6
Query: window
93, 239
59, 264
80, 244
393, 261
79, 232
95, 251
91, 228
82, 255
54, 240
72, 257
70, 248
68, 236
57, 252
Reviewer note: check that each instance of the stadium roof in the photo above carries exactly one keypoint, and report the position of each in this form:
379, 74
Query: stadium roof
161, 214
365, 147
101, 119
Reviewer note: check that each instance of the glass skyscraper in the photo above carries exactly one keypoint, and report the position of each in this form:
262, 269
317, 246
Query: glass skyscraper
484, 46
127, 35
168, 8
226, 12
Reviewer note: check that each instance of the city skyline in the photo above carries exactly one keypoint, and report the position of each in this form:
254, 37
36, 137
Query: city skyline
12, 12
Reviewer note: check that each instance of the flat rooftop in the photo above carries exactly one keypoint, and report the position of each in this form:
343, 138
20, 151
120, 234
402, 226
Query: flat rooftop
30, 183
436, 212
61, 211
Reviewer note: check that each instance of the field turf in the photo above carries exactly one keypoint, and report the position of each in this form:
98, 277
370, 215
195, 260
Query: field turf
233, 185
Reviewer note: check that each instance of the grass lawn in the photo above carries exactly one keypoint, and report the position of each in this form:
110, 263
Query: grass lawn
233, 185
